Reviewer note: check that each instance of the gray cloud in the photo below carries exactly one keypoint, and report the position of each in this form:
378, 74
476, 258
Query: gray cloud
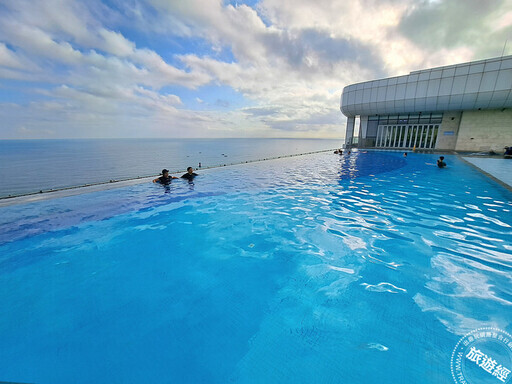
261, 111
312, 50
459, 23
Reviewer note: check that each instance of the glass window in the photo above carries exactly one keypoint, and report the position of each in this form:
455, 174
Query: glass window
402, 136
388, 136
414, 118
434, 136
410, 137
436, 118
418, 136
393, 119
424, 135
373, 118
395, 132
428, 136
396, 136
414, 133
371, 130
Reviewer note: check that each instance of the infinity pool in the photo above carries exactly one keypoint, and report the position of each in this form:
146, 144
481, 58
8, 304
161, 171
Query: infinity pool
365, 268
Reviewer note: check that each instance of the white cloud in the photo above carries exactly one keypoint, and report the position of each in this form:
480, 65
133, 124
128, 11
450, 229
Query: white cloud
115, 43
288, 59
9, 59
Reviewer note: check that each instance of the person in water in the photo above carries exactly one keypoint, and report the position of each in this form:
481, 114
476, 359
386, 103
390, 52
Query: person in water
189, 175
165, 179
440, 162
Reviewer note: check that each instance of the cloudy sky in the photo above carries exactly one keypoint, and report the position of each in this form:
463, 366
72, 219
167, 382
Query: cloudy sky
219, 68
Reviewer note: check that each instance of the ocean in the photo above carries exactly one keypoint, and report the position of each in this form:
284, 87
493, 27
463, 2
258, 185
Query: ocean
28, 166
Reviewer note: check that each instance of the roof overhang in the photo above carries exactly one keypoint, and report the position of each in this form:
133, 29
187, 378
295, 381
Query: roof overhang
484, 84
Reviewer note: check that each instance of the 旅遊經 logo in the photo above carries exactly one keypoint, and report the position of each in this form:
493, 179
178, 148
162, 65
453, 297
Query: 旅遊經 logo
483, 356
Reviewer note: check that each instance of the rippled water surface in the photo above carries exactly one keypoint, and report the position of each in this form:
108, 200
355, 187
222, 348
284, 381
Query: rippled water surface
363, 268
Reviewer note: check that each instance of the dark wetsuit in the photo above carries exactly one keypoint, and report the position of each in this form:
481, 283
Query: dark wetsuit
441, 164
189, 176
164, 180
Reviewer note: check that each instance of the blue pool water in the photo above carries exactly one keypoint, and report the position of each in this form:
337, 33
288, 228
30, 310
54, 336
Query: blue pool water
365, 268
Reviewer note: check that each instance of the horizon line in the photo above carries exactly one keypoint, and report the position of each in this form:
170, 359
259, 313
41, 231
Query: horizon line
173, 138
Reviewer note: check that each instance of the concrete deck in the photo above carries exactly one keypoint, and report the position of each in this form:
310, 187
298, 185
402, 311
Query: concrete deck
500, 169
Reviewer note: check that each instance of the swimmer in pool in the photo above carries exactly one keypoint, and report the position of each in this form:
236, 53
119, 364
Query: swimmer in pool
165, 179
189, 175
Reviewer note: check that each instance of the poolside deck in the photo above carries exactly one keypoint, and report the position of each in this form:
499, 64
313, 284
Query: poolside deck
498, 169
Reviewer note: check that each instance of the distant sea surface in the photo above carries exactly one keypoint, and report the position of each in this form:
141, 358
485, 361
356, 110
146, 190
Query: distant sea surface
32, 165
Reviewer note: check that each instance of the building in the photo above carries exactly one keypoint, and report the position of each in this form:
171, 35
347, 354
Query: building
462, 107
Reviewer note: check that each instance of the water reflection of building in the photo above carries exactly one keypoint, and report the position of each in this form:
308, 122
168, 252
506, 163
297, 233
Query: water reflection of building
464, 107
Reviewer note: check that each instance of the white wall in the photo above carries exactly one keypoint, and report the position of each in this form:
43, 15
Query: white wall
484, 130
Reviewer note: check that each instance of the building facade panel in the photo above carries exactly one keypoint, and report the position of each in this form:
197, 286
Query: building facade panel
433, 87
473, 82
489, 81
455, 101
421, 89
458, 85
476, 68
410, 90
400, 91
506, 64
492, 66
462, 70
504, 80
449, 72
